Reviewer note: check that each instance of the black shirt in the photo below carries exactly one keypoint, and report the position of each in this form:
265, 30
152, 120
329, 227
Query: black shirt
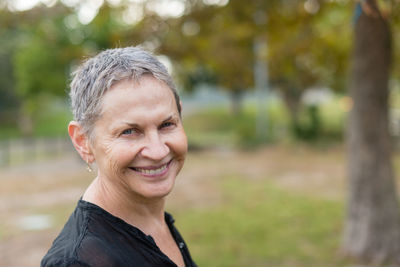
93, 237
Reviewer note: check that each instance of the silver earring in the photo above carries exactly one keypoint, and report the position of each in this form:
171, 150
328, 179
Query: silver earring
88, 167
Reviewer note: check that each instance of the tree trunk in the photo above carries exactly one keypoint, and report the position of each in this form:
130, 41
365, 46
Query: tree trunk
291, 99
25, 121
372, 228
236, 101
292, 102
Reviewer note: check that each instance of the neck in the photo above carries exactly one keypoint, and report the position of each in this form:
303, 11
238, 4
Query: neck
138, 211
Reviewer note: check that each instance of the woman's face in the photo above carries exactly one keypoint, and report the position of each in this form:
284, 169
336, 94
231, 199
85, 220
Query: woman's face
139, 143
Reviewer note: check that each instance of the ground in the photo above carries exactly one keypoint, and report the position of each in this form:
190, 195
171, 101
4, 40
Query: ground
36, 198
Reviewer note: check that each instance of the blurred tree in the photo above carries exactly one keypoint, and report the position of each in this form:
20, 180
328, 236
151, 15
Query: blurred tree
8, 99
209, 44
104, 31
372, 231
308, 47
214, 44
40, 47
41, 60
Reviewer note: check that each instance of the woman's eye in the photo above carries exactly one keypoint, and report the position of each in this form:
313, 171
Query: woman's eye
128, 132
167, 124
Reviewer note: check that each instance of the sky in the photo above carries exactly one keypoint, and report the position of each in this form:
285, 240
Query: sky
88, 9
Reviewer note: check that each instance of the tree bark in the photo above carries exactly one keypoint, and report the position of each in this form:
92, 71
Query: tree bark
291, 99
372, 227
25, 120
236, 101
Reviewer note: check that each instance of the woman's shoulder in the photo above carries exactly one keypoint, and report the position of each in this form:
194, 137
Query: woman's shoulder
76, 241
90, 251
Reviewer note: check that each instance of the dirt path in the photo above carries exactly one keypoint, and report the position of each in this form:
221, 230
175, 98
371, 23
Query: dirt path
44, 194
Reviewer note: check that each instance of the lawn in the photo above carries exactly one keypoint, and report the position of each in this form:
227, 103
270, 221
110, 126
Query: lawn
259, 224
273, 206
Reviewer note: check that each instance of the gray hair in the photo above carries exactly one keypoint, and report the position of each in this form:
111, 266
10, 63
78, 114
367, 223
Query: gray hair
96, 75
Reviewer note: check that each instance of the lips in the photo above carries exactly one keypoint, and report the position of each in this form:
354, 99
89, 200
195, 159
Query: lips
152, 170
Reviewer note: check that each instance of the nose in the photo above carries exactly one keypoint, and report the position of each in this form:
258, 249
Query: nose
155, 147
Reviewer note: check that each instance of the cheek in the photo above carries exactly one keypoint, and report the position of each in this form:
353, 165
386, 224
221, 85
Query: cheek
125, 153
117, 155
179, 144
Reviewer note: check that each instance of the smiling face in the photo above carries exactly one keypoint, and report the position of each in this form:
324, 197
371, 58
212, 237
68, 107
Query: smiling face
139, 143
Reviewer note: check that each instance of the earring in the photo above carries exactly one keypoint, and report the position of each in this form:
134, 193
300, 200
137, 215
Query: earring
88, 167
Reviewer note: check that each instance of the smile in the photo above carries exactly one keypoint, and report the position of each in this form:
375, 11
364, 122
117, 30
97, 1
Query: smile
152, 171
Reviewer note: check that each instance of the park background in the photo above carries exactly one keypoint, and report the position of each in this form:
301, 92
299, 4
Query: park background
266, 91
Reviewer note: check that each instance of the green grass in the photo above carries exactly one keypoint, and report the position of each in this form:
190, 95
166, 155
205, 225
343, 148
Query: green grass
258, 224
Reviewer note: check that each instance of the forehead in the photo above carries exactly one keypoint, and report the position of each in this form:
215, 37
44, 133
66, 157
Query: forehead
128, 95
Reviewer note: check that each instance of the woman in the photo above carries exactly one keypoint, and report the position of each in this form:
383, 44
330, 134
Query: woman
127, 119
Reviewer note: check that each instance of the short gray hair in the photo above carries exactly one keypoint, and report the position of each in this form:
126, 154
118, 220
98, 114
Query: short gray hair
97, 74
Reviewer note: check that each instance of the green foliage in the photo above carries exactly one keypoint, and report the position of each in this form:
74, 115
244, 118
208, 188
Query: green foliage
257, 224
216, 126
7, 132
51, 121
303, 48
9, 102
207, 44
42, 56
35, 59
104, 31
334, 117
309, 127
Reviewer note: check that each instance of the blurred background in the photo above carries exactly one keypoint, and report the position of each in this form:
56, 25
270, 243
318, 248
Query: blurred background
265, 92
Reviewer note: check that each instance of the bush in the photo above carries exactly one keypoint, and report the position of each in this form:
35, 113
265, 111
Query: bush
216, 126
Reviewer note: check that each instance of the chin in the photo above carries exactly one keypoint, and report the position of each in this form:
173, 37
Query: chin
157, 191
156, 195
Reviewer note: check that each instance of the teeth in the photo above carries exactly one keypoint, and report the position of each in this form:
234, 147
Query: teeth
153, 171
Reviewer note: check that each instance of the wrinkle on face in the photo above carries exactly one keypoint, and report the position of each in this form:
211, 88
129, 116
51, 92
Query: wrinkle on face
146, 105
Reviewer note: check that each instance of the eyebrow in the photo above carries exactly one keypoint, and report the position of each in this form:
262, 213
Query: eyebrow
133, 125
168, 119
171, 117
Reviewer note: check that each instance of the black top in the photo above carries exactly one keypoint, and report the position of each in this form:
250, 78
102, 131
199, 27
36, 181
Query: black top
93, 237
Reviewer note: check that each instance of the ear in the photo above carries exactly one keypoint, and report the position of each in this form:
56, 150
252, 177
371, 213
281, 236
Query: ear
80, 141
